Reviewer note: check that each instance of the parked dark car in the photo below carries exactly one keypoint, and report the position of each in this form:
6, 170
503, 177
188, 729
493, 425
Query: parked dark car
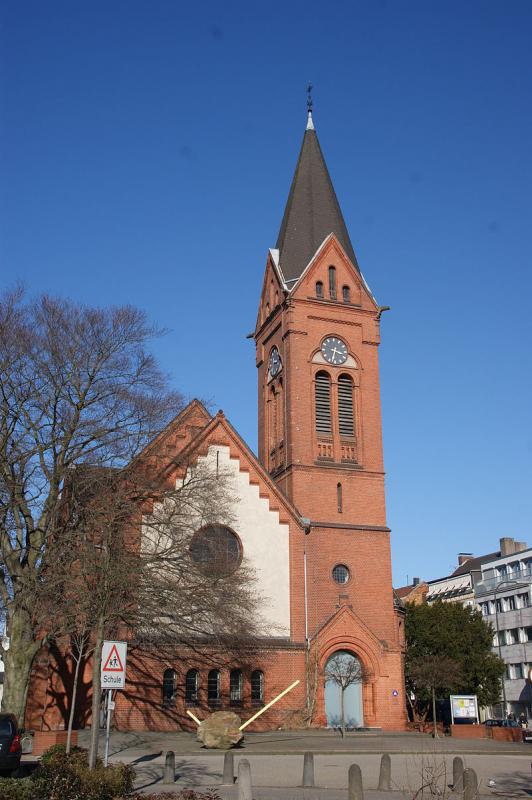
10, 745
493, 723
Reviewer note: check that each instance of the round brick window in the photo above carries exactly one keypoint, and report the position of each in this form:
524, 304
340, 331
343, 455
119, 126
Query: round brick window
216, 550
340, 574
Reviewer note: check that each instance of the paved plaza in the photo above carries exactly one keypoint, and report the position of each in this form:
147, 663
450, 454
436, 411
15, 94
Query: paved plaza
276, 759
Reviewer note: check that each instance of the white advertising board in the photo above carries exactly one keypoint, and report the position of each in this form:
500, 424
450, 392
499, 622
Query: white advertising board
464, 706
113, 672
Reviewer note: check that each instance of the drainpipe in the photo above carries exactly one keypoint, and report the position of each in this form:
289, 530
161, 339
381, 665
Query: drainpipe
306, 527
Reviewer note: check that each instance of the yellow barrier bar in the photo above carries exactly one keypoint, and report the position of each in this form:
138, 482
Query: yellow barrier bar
268, 705
196, 720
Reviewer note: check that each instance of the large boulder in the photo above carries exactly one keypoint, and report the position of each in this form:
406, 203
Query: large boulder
220, 730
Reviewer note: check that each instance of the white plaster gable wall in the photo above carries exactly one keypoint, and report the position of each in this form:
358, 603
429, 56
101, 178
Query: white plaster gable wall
264, 540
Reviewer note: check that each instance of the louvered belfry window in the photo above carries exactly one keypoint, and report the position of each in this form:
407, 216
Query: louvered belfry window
323, 403
346, 422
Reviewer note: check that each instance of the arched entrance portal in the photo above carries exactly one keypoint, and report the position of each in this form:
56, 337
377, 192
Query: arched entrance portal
343, 690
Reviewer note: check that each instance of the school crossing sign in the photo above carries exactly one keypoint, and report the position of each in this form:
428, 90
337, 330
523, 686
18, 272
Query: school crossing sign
113, 672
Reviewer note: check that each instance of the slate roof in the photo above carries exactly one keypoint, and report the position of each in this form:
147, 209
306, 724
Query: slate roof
312, 212
474, 564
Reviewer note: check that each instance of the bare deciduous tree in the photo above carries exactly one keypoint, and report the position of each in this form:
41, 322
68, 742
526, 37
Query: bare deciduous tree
158, 565
435, 673
76, 386
344, 670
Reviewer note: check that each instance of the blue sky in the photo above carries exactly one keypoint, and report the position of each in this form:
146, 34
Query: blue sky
146, 154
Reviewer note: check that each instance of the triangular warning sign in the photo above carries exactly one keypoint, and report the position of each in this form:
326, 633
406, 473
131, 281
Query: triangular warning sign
113, 663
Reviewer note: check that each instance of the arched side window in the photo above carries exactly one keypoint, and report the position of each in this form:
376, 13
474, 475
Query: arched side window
169, 687
339, 497
192, 686
332, 283
346, 294
257, 687
323, 403
346, 420
319, 289
235, 687
214, 694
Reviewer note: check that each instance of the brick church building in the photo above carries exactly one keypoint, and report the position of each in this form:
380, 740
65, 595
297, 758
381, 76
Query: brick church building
310, 517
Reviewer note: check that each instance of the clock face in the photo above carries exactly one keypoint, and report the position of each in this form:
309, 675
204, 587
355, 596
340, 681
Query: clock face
334, 351
274, 363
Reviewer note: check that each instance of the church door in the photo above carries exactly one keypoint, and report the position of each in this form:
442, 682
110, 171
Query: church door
343, 690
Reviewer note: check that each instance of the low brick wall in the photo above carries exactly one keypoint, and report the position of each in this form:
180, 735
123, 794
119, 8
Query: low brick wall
42, 740
471, 731
507, 734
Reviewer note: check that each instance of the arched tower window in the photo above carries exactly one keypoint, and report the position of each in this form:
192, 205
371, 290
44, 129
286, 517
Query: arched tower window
169, 687
319, 289
339, 497
257, 687
346, 421
192, 686
235, 687
346, 294
214, 694
323, 403
332, 283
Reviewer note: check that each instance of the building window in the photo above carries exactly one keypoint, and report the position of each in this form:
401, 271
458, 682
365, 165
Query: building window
510, 603
323, 403
523, 600
346, 294
216, 550
257, 687
498, 606
192, 686
512, 636
339, 497
213, 688
485, 609
332, 283
319, 289
346, 421
340, 574
169, 687
235, 687
528, 634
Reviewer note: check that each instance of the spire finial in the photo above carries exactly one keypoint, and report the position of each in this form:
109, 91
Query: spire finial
310, 123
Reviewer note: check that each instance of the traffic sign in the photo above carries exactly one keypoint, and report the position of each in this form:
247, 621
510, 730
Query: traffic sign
113, 671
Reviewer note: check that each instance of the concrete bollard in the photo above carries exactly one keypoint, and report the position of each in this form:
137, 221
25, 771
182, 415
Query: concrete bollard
470, 784
245, 789
458, 774
229, 769
169, 767
308, 769
355, 789
385, 774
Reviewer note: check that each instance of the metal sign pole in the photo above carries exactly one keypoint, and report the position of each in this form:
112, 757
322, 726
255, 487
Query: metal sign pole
108, 727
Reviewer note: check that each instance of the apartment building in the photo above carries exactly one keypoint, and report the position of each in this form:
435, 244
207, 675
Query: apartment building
504, 595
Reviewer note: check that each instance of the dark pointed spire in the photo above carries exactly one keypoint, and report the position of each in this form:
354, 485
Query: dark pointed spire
312, 211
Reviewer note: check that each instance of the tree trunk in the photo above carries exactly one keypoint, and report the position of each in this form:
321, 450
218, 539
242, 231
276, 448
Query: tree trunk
96, 692
18, 660
73, 699
342, 710
435, 734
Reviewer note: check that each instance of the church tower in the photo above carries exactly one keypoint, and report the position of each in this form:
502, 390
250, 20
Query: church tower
317, 338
